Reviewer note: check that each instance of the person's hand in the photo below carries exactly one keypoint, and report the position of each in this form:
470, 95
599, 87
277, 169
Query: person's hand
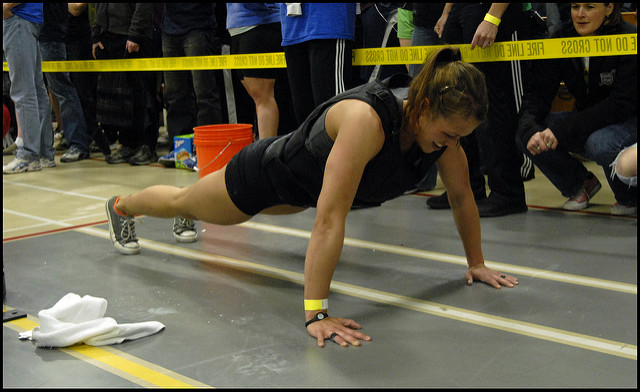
439, 27
132, 46
542, 141
340, 330
485, 35
93, 48
489, 276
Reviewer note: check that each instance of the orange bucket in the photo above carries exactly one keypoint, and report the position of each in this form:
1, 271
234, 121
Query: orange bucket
217, 144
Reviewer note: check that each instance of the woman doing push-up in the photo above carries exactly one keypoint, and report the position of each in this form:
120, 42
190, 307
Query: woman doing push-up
359, 149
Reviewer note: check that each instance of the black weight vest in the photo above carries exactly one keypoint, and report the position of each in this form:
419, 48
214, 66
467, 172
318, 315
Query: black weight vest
296, 166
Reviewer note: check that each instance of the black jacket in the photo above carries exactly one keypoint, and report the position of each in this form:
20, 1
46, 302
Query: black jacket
55, 25
609, 97
132, 20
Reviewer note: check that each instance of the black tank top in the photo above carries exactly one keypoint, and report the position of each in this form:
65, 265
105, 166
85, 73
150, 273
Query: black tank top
295, 162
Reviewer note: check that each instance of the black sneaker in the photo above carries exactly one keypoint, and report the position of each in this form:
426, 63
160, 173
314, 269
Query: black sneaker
184, 230
101, 142
498, 205
120, 156
143, 156
122, 230
439, 202
442, 202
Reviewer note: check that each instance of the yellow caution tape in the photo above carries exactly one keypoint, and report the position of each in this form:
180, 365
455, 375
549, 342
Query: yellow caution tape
609, 45
234, 61
592, 46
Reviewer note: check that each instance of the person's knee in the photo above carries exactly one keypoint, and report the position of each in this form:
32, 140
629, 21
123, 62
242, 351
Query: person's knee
260, 90
600, 149
626, 164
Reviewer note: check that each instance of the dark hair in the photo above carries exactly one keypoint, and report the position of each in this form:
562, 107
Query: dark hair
615, 18
451, 86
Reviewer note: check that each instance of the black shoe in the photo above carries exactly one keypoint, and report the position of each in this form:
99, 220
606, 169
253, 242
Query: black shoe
497, 205
442, 202
120, 156
143, 156
101, 142
439, 202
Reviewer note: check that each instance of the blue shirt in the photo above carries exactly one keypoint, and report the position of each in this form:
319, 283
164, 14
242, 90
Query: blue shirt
251, 14
318, 21
29, 11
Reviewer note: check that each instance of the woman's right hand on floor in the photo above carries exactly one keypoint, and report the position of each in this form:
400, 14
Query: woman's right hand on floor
342, 331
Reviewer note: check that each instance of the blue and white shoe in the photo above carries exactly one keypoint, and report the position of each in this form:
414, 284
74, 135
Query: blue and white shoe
168, 160
19, 165
190, 164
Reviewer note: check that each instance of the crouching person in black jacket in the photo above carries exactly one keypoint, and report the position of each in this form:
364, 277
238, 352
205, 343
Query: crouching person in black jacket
604, 119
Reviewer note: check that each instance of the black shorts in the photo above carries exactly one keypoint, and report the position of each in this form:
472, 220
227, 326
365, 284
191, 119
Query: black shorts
248, 181
258, 177
266, 38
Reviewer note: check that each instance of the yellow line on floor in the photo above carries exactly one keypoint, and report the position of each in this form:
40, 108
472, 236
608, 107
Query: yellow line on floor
587, 342
116, 362
142, 372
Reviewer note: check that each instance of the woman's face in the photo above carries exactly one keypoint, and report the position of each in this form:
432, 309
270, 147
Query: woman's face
434, 134
588, 17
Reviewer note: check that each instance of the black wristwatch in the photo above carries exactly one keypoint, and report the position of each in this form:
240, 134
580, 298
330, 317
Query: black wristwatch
317, 317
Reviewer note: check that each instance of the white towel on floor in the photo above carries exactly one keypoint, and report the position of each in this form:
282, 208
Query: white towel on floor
81, 320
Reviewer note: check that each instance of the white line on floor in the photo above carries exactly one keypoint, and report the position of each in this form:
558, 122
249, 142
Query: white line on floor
505, 324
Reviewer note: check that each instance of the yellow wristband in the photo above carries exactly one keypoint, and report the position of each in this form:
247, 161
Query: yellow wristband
316, 304
492, 19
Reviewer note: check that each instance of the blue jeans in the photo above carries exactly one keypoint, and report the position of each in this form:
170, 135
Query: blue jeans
603, 146
20, 45
73, 122
85, 83
192, 97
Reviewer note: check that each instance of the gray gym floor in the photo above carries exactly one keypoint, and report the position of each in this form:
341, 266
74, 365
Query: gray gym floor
232, 302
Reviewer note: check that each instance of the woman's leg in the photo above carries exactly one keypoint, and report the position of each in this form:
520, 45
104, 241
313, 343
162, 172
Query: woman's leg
262, 92
626, 165
604, 145
207, 200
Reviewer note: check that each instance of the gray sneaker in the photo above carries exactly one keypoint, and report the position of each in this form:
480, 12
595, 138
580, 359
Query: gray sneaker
184, 230
19, 165
122, 230
74, 154
47, 163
